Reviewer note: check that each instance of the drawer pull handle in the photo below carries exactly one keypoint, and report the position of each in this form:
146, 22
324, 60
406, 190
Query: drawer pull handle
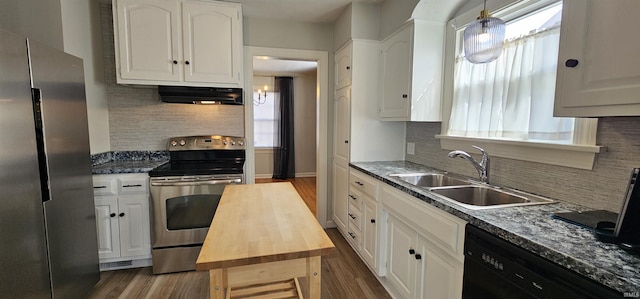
352, 217
352, 235
404, 96
129, 186
99, 187
352, 197
373, 221
359, 184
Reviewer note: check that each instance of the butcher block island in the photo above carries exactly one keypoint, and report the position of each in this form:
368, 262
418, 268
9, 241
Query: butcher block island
262, 238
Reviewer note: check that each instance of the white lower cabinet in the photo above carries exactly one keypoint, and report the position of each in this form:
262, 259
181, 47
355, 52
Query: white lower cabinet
424, 257
122, 220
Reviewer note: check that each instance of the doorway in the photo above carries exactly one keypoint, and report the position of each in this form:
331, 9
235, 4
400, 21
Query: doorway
321, 119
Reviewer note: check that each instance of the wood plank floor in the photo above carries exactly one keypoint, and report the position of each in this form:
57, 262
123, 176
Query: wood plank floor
344, 275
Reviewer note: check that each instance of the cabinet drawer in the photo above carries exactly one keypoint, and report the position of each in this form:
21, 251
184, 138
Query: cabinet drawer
355, 219
363, 183
103, 187
445, 230
355, 199
132, 185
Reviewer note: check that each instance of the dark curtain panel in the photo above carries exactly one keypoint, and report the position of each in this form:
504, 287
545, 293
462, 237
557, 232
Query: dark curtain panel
284, 156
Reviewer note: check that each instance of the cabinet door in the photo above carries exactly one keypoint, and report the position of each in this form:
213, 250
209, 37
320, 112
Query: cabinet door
340, 195
401, 262
343, 66
134, 225
396, 73
341, 130
107, 226
370, 233
596, 36
212, 45
440, 275
147, 40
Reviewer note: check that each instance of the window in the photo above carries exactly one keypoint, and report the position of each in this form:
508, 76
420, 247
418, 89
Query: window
264, 120
506, 106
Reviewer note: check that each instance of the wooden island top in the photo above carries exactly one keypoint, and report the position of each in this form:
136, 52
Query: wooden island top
258, 227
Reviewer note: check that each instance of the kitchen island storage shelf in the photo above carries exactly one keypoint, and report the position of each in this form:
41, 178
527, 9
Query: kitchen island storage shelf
263, 233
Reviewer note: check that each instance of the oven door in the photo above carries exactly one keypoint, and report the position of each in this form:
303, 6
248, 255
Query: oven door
183, 207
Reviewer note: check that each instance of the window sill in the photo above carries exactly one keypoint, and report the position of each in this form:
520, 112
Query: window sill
575, 156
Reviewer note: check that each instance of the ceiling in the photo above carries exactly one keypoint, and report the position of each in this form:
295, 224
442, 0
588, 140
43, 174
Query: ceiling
314, 11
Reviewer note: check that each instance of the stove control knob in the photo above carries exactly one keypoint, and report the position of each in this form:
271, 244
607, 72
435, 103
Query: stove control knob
182, 142
233, 142
174, 143
241, 143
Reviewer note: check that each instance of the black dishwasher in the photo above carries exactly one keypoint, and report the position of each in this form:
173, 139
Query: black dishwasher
495, 268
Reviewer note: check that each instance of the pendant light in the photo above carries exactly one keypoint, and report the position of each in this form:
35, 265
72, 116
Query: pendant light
483, 39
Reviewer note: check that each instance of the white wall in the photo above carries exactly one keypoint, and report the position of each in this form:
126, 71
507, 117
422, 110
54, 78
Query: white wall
394, 13
82, 37
36, 19
287, 34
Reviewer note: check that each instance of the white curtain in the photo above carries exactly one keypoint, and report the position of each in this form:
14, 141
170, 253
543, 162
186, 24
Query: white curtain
511, 97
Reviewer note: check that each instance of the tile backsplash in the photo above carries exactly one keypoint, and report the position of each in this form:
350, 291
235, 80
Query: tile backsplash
138, 120
601, 188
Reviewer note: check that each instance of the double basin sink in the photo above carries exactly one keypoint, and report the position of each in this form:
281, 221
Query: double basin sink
470, 194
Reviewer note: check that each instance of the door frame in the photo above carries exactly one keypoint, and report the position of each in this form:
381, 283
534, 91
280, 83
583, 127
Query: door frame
322, 107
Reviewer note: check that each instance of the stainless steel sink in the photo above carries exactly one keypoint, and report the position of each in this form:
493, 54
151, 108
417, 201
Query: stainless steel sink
483, 197
430, 180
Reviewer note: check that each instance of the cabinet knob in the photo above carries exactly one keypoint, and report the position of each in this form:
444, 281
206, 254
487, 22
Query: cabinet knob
373, 221
186, 62
346, 141
411, 251
113, 215
404, 95
571, 63
418, 256
121, 215
175, 62
348, 67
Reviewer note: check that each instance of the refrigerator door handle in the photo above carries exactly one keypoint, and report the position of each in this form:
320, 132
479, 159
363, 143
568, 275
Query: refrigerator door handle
36, 97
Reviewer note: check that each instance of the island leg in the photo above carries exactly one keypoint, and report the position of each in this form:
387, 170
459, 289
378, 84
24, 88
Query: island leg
217, 283
314, 268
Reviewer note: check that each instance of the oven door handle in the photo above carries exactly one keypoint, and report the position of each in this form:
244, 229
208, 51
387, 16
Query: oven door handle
196, 182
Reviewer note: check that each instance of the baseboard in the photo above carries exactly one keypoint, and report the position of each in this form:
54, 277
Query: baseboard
298, 175
126, 264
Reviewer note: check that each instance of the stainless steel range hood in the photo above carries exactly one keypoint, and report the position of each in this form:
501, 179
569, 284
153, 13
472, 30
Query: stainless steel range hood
200, 95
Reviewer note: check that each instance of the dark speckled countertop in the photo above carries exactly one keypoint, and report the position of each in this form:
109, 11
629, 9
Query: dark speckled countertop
128, 161
532, 228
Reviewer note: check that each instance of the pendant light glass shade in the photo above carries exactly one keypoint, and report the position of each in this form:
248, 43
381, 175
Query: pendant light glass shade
483, 39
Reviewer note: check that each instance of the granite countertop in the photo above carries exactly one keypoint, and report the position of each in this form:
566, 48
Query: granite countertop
532, 228
128, 161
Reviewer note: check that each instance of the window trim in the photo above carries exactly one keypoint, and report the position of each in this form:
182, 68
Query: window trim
581, 154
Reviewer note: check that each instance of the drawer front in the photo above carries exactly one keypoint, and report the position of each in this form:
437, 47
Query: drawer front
104, 186
355, 219
447, 231
355, 199
132, 185
363, 183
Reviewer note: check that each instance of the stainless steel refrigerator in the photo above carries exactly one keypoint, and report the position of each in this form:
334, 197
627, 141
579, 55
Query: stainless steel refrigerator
48, 242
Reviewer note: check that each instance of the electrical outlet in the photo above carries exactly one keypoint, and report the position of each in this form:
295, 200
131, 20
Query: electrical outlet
411, 148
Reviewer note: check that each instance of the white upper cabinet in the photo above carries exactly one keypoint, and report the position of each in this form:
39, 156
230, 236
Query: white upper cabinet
343, 66
191, 43
598, 65
412, 62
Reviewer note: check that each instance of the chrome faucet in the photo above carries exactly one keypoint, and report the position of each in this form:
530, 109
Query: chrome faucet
482, 167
